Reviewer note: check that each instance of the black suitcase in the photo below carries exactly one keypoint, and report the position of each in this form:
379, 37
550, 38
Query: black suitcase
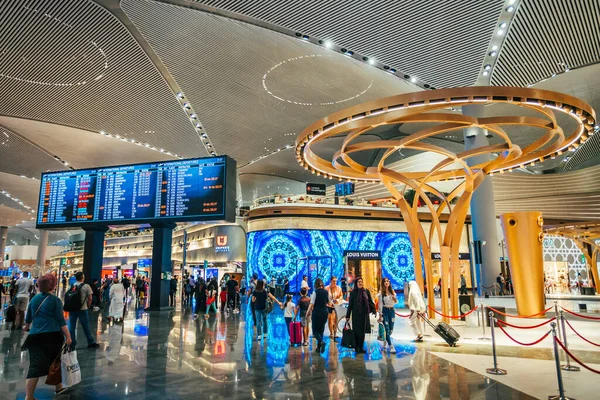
445, 331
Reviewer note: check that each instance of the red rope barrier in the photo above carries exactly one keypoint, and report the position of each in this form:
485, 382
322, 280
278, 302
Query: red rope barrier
526, 327
520, 316
402, 316
580, 315
452, 316
521, 343
575, 358
577, 333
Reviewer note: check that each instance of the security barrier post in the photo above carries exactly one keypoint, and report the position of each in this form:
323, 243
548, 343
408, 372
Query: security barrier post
561, 388
495, 370
567, 366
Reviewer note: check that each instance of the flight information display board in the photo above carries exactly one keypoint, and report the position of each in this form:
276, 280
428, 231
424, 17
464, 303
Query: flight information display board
184, 190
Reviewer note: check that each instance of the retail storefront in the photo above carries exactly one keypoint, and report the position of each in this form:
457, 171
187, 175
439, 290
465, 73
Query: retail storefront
564, 263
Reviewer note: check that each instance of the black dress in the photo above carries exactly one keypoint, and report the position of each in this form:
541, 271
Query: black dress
319, 313
360, 316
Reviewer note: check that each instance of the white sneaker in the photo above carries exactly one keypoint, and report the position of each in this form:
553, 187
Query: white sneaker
392, 350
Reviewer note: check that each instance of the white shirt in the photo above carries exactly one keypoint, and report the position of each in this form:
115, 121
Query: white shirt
388, 301
304, 284
288, 311
24, 286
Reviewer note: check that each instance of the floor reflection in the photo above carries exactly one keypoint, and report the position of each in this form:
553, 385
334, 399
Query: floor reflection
177, 355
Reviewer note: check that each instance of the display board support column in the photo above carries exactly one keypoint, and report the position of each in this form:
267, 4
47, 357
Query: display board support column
93, 252
162, 267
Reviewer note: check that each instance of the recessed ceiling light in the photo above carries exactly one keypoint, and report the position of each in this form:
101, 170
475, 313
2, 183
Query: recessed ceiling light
102, 133
328, 44
485, 73
511, 2
413, 79
487, 67
494, 47
193, 116
371, 61
500, 32
180, 95
510, 9
503, 25
493, 53
186, 105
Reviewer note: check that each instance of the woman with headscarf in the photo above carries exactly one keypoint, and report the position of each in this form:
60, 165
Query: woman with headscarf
116, 294
360, 305
417, 306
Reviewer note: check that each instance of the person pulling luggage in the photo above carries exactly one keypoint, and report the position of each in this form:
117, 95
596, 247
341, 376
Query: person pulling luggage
417, 306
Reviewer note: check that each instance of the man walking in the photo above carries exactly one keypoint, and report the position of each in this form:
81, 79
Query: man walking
463, 284
77, 301
23, 288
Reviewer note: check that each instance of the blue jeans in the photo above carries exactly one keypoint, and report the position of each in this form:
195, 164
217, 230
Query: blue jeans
261, 322
85, 324
388, 323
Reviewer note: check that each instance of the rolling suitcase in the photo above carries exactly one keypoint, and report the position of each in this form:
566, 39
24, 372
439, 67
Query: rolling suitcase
445, 331
296, 333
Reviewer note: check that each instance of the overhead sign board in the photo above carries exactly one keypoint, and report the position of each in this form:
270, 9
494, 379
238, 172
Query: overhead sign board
316, 189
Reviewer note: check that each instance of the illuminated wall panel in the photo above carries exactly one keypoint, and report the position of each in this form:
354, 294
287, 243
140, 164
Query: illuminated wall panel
283, 253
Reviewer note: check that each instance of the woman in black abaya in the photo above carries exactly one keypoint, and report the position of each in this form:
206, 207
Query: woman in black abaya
360, 306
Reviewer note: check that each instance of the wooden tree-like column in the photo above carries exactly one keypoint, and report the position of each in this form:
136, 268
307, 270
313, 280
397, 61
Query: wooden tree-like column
431, 108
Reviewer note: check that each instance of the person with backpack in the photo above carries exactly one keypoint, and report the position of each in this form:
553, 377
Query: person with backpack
23, 287
77, 300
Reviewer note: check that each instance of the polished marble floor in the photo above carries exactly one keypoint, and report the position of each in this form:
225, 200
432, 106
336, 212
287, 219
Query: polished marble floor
172, 355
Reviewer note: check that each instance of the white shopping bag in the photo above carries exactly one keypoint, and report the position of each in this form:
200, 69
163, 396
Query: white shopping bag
69, 366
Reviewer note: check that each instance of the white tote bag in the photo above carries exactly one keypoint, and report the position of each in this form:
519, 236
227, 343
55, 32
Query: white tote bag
71, 374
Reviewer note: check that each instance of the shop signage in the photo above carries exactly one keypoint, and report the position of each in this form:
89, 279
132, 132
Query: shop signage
316, 189
461, 256
363, 255
221, 244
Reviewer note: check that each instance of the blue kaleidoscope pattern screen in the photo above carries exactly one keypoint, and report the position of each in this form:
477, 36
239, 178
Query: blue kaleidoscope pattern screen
283, 254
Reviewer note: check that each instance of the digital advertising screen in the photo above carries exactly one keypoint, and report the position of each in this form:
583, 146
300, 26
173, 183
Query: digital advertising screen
197, 189
344, 189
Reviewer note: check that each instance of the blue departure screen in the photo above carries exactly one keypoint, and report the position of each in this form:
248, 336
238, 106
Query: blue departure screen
174, 190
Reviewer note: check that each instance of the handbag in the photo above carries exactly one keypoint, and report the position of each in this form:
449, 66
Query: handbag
69, 366
381, 336
54, 373
348, 337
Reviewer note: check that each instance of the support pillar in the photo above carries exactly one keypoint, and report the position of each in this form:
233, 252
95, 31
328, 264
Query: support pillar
161, 264
93, 252
41, 253
3, 240
483, 210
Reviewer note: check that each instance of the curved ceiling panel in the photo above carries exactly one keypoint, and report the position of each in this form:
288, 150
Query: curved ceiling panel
546, 38
74, 63
254, 89
22, 157
20, 190
443, 43
92, 149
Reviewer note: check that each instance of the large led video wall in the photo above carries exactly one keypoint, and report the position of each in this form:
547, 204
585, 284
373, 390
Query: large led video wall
283, 254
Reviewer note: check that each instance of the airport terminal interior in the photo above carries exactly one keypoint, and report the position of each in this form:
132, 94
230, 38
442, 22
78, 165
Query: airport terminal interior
318, 199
